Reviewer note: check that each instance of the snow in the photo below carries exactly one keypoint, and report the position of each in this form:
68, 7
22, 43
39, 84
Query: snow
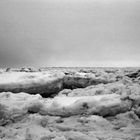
66, 101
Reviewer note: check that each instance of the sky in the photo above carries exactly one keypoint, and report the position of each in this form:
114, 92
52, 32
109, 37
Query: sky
90, 33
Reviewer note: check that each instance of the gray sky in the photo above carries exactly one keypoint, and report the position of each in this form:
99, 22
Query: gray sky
69, 33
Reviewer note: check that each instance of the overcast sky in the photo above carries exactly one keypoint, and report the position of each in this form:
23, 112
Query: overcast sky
69, 33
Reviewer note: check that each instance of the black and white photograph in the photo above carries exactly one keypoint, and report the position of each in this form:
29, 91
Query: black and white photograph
69, 69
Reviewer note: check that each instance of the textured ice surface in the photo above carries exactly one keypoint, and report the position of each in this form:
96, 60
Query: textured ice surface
89, 104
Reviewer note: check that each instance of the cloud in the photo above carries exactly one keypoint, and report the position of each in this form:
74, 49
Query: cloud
69, 33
